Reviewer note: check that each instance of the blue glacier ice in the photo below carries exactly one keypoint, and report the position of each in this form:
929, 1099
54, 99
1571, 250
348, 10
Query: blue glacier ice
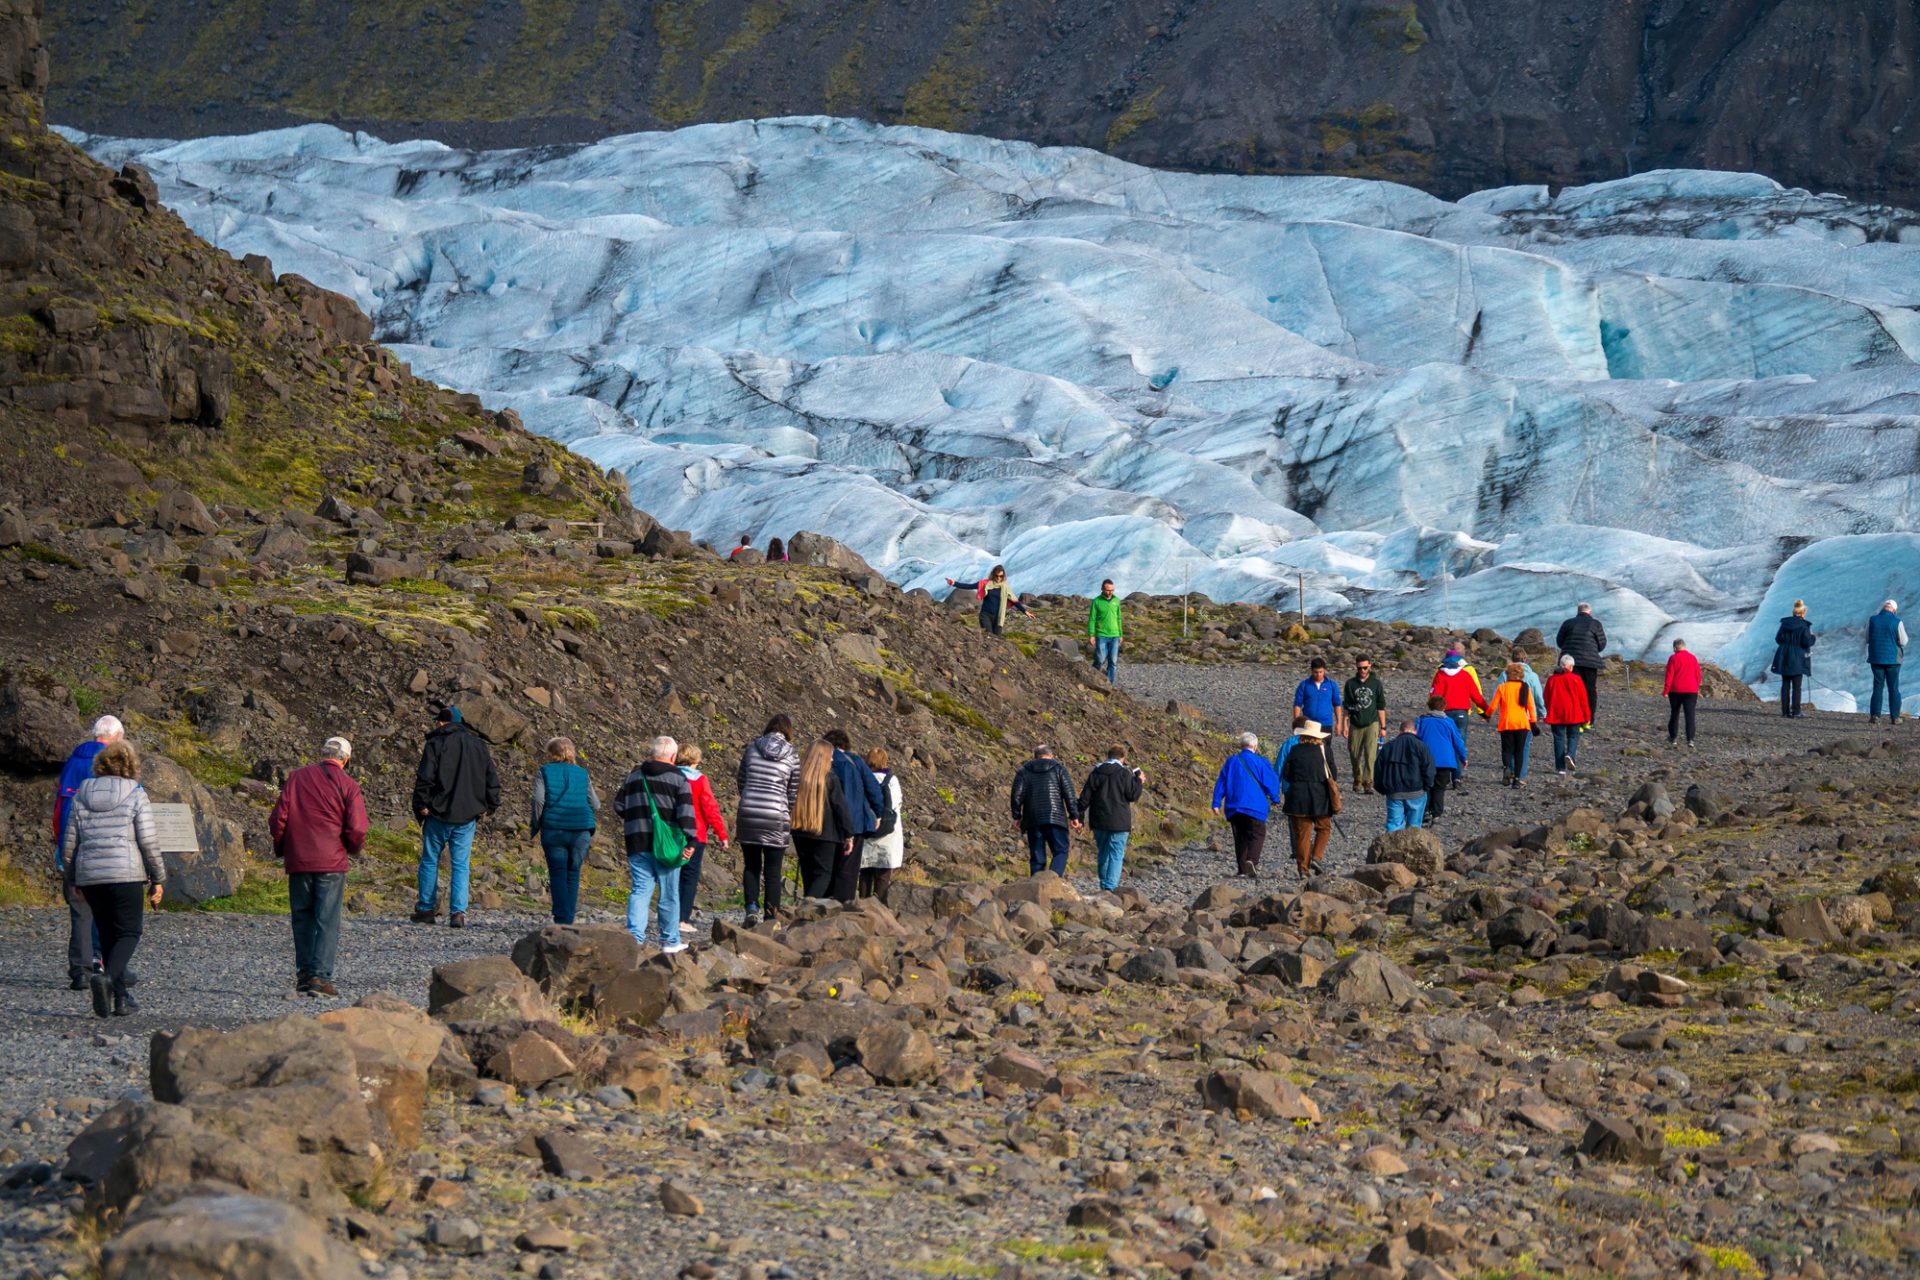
1683, 396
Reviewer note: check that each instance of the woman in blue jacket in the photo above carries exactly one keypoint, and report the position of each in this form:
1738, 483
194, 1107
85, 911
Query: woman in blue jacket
1448, 747
1793, 657
1246, 791
564, 809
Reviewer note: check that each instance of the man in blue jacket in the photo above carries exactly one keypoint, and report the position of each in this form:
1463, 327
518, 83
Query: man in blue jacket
1317, 698
1886, 645
866, 803
1246, 790
82, 942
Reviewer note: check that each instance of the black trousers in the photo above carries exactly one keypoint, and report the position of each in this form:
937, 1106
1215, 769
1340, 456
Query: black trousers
846, 871
1679, 704
1249, 842
761, 862
119, 911
1590, 677
876, 882
80, 939
690, 880
1790, 687
1437, 795
817, 857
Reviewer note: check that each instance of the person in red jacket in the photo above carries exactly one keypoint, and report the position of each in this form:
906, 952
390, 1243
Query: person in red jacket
1567, 713
1682, 690
318, 823
708, 826
1459, 684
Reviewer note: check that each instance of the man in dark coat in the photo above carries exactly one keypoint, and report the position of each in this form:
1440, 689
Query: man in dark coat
866, 805
1106, 802
319, 822
1404, 773
1044, 809
1583, 639
453, 788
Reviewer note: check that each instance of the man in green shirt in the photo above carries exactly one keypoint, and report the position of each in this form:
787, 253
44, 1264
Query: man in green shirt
1103, 630
1366, 700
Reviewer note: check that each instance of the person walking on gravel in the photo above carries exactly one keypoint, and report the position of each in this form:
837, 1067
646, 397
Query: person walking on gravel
1793, 657
453, 789
1457, 685
1406, 775
1312, 797
768, 782
1567, 714
1682, 687
1584, 639
1886, 649
1366, 706
866, 803
83, 952
1106, 802
1245, 793
1317, 698
886, 849
110, 852
995, 597
317, 824
566, 810
655, 805
1103, 630
822, 826
1515, 714
1441, 735
1045, 810
708, 827
1528, 674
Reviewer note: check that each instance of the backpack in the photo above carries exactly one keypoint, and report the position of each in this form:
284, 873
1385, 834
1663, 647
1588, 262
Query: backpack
672, 847
890, 820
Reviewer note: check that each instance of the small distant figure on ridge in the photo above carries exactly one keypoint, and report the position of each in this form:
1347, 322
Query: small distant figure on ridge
1103, 630
1682, 687
1793, 657
1886, 649
1584, 639
776, 551
995, 597
746, 544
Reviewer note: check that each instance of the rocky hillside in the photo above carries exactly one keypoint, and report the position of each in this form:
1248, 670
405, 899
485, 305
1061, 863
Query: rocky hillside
1450, 96
231, 519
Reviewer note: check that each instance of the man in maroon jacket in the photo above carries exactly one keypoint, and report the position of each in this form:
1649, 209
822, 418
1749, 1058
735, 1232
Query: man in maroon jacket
320, 821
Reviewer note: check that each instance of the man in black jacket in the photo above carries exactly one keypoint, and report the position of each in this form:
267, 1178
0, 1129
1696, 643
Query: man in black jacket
1044, 808
453, 787
1404, 773
1106, 801
1583, 639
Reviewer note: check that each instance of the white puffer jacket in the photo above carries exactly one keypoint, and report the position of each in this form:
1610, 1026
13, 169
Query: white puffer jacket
886, 853
110, 836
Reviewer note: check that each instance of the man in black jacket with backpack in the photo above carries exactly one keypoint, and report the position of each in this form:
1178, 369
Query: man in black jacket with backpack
1106, 801
1044, 808
454, 787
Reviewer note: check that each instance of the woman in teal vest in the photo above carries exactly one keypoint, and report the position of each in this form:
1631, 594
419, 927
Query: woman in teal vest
564, 805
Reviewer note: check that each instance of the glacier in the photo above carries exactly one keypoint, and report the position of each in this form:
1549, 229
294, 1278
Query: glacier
1687, 397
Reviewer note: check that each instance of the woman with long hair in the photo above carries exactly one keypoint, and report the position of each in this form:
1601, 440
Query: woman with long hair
822, 829
768, 784
995, 597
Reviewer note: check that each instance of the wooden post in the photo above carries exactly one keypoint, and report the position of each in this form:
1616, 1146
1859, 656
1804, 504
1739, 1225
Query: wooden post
1303, 599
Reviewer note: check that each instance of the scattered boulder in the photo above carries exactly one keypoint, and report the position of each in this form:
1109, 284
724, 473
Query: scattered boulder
1370, 979
1258, 1093
232, 1237
895, 1053
1623, 1141
36, 733
1805, 922
1415, 848
569, 960
1533, 932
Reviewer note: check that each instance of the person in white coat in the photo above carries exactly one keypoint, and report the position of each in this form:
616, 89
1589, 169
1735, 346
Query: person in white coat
885, 849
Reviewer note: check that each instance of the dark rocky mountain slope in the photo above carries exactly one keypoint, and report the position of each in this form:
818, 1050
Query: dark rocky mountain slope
1449, 95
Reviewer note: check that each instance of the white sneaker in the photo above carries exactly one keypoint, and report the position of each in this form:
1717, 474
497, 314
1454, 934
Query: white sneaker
673, 950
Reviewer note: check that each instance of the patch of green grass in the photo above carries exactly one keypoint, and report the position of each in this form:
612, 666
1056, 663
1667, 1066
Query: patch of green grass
46, 555
258, 895
1730, 1258
945, 704
18, 889
1690, 1135
1045, 1251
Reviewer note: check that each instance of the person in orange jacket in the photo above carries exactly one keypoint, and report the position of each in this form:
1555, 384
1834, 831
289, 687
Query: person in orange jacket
1514, 714
1458, 683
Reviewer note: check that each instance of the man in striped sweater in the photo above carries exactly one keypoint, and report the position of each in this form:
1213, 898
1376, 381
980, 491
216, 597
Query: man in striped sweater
660, 781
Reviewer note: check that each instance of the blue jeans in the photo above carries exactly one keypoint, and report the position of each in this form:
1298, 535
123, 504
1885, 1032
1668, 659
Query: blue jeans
1885, 676
1406, 813
313, 902
566, 853
457, 840
1041, 840
1110, 849
644, 874
1566, 745
1106, 655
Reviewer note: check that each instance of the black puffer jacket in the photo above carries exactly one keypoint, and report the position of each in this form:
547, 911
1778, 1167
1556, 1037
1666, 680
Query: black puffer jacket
1583, 639
1043, 795
1307, 779
455, 782
1107, 797
769, 783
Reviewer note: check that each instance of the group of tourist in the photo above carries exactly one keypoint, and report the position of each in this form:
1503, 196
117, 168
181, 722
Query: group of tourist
1886, 650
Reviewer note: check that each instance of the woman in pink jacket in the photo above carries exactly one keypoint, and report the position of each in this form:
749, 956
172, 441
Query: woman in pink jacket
1683, 691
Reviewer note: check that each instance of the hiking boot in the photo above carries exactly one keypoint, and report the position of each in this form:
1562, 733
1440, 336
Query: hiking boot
123, 1001
303, 985
424, 917
76, 980
102, 992
752, 920
458, 920
321, 987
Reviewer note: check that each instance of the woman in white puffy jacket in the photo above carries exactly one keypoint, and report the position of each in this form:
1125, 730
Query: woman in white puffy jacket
886, 848
111, 855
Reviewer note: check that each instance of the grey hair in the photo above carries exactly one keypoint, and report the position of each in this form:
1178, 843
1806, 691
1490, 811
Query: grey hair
1566, 662
1893, 605
336, 749
1251, 741
665, 748
1584, 607
108, 729
1042, 751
